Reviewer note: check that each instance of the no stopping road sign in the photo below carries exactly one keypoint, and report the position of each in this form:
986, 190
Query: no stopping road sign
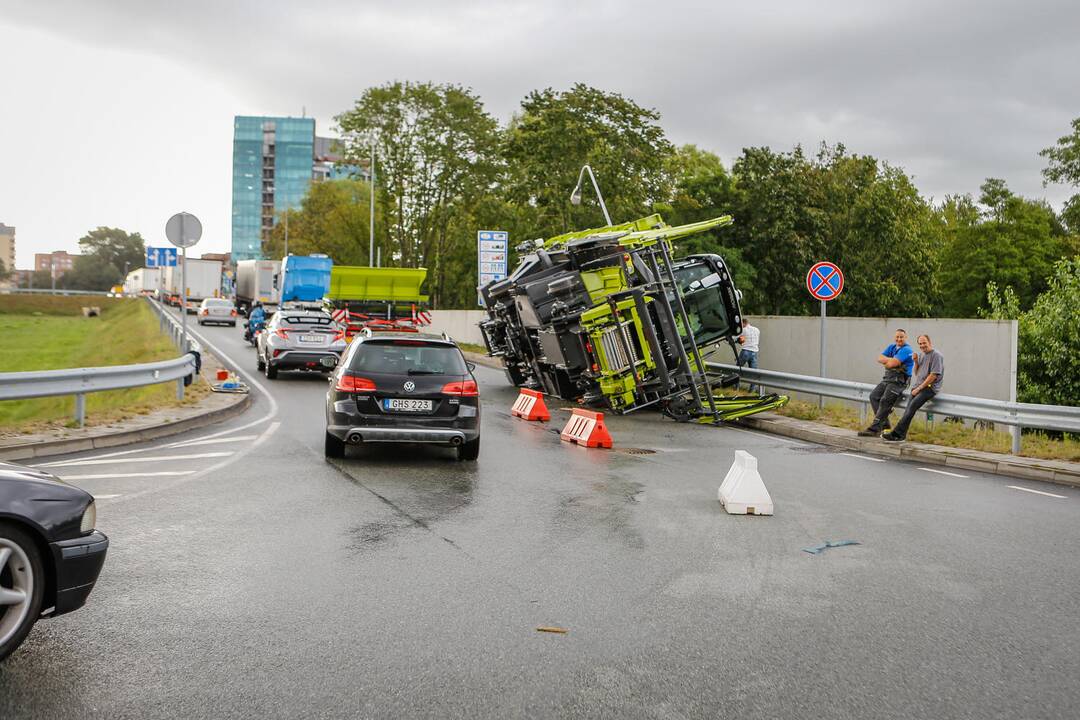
825, 281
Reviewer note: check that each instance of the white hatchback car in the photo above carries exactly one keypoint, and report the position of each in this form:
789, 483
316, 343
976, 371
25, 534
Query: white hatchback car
217, 310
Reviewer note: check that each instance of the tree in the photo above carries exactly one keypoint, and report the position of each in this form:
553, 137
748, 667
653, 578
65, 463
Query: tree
1063, 158
437, 154
557, 133
333, 218
994, 195
5, 273
1016, 246
114, 247
1049, 336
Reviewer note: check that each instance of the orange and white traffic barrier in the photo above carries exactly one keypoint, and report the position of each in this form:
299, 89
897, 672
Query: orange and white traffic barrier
586, 428
530, 406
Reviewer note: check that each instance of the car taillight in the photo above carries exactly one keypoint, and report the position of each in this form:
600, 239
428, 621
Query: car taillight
233, 312
339, 335
204, 311
352, 383
464, 389
281, 333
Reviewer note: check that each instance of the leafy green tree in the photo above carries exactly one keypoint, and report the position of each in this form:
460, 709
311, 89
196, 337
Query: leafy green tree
1049, 336
1016, 246
437, 154
792, 211
333, 218
994, 195
5, 273
557, 133
1063, 158
106, 253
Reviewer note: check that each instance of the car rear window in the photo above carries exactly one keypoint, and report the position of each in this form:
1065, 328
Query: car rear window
218, 303
408, 356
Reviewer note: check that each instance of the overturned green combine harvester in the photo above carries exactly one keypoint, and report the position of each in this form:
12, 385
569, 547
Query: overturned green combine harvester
607, 317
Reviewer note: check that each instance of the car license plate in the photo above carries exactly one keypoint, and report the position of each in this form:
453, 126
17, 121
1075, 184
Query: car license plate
407, 405
311, 339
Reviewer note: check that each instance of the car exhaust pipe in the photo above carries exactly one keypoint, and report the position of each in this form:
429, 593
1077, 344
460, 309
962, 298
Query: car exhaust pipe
456, 440
354, 439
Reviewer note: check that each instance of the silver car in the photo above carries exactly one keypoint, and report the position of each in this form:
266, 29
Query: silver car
216, 310
299, 340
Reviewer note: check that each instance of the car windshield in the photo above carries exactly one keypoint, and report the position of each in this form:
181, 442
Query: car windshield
408, 357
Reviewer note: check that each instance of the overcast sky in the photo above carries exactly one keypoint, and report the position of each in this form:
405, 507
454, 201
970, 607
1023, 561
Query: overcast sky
119, 112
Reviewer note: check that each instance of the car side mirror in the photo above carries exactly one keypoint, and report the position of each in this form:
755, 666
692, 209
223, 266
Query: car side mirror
470, 365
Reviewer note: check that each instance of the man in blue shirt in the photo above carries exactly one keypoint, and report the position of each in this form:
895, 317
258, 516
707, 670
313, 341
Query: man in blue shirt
899, 362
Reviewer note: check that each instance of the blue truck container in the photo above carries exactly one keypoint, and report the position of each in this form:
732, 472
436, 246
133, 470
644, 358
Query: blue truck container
305, 278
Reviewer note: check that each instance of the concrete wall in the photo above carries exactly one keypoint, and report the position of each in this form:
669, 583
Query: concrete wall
462, 325
978, 353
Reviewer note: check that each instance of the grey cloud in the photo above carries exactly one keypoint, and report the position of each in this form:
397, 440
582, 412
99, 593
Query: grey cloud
952, 92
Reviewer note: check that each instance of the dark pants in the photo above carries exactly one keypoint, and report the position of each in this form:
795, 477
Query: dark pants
914, 403
882, 399
748, 358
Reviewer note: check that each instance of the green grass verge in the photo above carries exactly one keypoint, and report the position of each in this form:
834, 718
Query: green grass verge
1034, 444
50, 333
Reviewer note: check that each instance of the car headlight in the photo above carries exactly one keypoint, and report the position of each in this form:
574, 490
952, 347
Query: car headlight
89, 518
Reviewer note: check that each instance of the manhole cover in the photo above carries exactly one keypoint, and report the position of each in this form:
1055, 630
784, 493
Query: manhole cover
635, 451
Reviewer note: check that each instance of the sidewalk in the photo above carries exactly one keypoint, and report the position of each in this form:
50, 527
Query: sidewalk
1055, 471
162, 423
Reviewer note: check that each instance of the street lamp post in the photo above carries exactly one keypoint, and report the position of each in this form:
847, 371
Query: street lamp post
371, 210
575, 197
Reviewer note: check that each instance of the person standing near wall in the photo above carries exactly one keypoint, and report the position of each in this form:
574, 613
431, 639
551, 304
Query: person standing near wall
929, 371
899, 360
750, 338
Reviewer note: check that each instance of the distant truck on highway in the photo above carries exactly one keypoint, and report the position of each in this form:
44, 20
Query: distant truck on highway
143, 281
305, 278
203, 281
256, 281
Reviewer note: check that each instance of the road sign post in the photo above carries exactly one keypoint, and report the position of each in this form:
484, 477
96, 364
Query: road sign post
825, 282
183, 230
492, 248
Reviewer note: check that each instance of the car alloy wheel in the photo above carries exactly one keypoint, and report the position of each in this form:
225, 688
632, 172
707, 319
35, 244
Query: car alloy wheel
16, 589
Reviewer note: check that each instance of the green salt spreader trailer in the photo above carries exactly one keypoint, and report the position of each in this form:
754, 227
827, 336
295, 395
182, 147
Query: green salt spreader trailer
380, 298
610, 318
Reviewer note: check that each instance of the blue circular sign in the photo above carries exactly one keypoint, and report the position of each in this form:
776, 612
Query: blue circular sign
825, 281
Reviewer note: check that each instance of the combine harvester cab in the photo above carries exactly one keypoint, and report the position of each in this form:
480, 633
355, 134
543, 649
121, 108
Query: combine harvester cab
607, 317
377, 299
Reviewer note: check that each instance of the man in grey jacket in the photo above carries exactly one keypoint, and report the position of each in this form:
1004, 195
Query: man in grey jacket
929, 371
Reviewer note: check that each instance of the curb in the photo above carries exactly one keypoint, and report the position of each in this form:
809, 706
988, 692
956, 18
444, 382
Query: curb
1054, 471
122, 437
480, 359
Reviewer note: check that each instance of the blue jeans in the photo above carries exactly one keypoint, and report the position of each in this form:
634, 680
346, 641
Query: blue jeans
748, 358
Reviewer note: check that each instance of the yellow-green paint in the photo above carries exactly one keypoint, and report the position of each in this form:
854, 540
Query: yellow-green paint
389, 284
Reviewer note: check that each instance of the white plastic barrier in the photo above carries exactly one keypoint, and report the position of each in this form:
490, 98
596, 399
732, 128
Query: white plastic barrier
743, 491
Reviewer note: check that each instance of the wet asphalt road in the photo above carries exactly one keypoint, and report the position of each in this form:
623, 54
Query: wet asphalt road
258, 580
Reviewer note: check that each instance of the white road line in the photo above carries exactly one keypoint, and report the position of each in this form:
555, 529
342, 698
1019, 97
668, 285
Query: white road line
1038, 492
109, 476
156, 458
213, 441
943, 472
863, 457
236, 367
105, 497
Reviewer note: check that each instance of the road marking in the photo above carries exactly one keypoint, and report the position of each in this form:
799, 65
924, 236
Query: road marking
943, 472
863, 457
1038, 492
213, 441
156, 458
106, 497
109, 476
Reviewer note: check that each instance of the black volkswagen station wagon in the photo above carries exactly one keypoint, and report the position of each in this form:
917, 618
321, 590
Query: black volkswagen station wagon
403, 387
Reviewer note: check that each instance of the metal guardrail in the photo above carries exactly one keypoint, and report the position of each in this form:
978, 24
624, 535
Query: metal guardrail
80, 381
57, 291
171, 325
1019, 415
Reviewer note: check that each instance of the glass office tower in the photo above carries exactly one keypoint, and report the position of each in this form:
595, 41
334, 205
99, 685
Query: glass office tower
272, 169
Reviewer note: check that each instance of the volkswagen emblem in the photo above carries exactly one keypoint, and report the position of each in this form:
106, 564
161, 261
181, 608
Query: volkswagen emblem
409, 386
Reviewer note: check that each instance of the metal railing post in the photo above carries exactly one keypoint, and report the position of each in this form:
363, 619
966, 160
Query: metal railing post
80, 409
180, 388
